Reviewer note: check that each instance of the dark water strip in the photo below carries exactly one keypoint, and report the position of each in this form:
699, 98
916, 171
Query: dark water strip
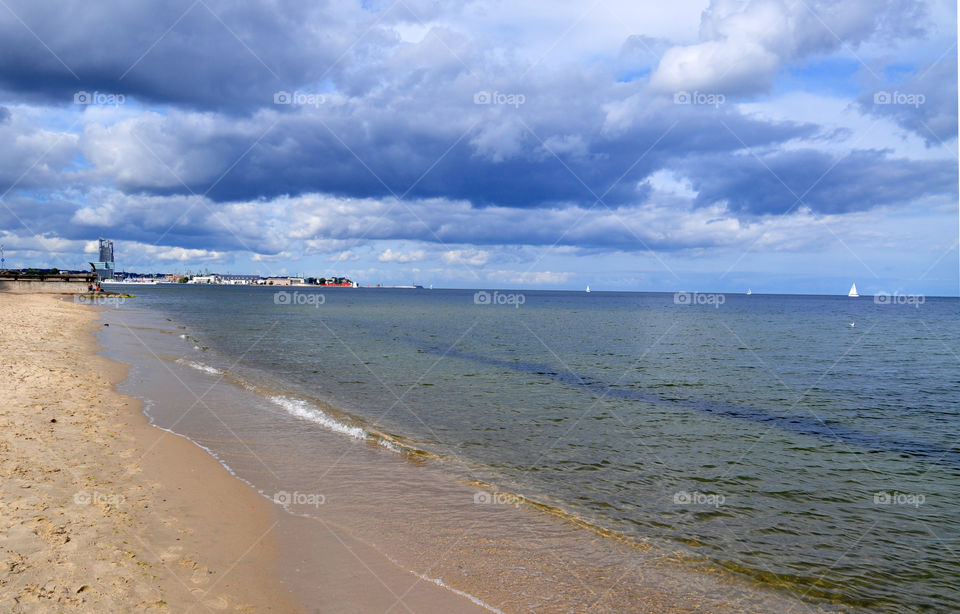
804, 425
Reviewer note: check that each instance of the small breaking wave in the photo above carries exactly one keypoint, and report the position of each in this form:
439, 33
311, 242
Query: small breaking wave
199, 366
302, 409
310, 411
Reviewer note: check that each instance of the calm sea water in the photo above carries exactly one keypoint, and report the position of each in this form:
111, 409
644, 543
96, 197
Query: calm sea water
804, 442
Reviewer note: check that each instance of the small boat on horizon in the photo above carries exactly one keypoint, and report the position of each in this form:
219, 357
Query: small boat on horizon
749, 291
588, 288
853, 291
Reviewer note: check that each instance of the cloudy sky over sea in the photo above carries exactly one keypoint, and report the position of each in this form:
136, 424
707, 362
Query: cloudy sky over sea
783, 145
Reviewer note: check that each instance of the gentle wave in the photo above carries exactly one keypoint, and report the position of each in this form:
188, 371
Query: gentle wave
309, 411
302, 409
199, 366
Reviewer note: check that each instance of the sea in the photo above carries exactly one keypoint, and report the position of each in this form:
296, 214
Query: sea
573, 451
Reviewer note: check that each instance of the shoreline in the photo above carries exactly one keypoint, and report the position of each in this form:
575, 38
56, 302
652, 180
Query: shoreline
136, 517
412, 523
104, 512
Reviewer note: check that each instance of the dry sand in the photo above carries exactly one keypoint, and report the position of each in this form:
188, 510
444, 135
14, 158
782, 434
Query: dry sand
100, 512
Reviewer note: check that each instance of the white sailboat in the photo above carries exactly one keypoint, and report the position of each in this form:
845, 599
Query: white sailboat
853, 291
749, 291
588, 287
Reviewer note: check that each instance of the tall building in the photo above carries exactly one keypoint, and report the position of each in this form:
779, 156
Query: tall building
106, 250
105, 267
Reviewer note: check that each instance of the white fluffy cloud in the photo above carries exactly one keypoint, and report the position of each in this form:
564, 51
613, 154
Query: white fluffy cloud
389, 255
179, 254
744, 43
470, 257
535, 278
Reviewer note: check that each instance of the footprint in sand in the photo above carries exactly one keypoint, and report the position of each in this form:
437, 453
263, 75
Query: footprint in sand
15, 563
51, 533
171, 554
217, 603
201, 576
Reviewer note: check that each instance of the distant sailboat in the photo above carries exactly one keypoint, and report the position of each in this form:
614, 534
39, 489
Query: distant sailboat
853, 291
588, 287
749, 291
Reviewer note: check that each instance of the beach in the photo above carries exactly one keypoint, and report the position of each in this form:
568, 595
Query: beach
101, 512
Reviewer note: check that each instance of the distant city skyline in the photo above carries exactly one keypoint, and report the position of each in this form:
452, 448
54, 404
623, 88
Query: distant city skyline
785, 147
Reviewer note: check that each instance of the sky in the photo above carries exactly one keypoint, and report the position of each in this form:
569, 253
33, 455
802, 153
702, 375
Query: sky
790, 146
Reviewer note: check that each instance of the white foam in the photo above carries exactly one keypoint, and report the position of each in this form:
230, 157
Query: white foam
390, 446
475, 600
200, 366
302, 409
441, 584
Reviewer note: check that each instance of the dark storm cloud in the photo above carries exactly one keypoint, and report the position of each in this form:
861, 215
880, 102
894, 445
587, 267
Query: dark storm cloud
28, 216
524, 157
189, 222
925, 102
32, 157
213, 54
773, 184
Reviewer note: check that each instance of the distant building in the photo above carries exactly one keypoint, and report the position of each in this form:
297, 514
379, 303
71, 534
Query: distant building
204, 279
105, 267
238, 280
278, 281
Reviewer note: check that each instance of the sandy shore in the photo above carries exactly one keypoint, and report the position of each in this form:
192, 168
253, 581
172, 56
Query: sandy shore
100, 512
